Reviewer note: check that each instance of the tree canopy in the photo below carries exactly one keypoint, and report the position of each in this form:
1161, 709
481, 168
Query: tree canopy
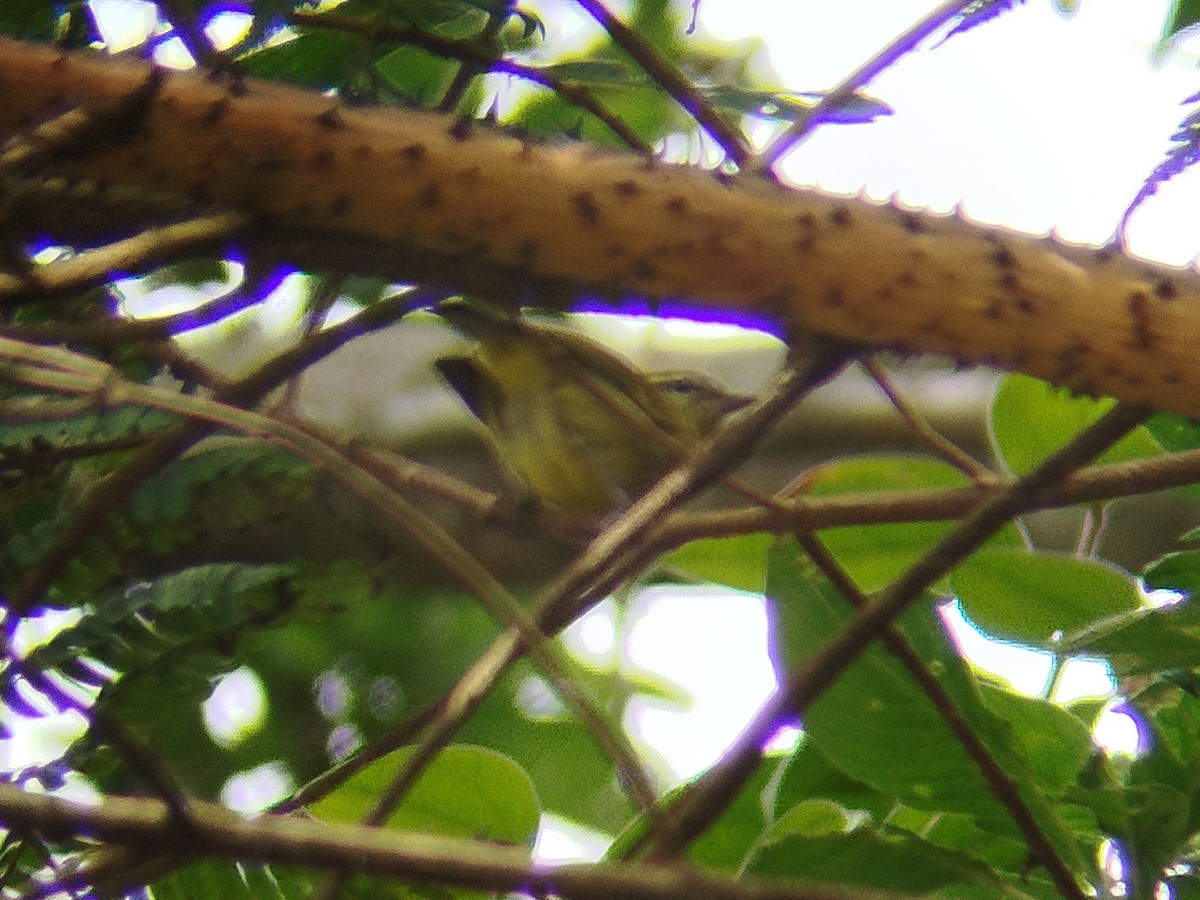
176, 524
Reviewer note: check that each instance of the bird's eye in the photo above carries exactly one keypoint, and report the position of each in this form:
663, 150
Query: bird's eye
677, 385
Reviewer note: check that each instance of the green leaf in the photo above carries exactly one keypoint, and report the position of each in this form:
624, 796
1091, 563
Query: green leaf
1147, 642
875, 554
466, 791
880, 728
739, 562
1174, 572
870, 858
317, 59
1182, 15
726, 844
1174, 432
1054, 741
524, 719
125, 630
1156, 812
810, 774
1040, 599
813, 818
36, 19
1031, 419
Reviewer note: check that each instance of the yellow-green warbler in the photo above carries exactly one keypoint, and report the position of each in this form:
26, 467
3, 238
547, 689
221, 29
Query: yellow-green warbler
578, 426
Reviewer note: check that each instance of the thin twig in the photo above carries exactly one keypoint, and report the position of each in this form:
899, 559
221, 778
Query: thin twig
81, 131
406, 523
845, 90
475, 864
130, 255
191, 34
1095, 484
471, 54
468, 70
671, 80
612, 556
1002, 785
928, 435
112, 492
712, 793
109, 332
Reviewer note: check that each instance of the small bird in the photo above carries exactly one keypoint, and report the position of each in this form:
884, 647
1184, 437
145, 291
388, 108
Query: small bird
579, 428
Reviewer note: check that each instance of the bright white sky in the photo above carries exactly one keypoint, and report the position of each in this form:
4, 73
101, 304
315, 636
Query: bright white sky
1031, 120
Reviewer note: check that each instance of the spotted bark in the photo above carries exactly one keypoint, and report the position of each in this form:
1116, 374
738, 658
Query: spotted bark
420, 187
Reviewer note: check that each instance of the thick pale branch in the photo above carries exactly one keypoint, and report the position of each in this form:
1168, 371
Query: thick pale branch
574, 217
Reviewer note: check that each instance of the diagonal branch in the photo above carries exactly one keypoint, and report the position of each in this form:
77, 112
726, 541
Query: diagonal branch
715, 790
671, 80
1004, 787
900, 46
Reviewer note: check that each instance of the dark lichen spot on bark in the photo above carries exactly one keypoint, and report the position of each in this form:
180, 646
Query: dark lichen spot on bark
1002, 257
1165, 289
642, 270
1078, 347
1170, 378
215, 111
270, 164
415, 153
341, 204
526, 251
775, 304
1010, 282
936, 328
627, 188
611, 251
331, 119
715, 245
430, 196
586, 208
807, 221
1071, 359
678, 205
840, 216
362, 152
1138, 305
461, 129
323, 159
804, 244
907, 279
1024, 304
1134, 381
994, 309
912, 223
886, 293
834, 297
